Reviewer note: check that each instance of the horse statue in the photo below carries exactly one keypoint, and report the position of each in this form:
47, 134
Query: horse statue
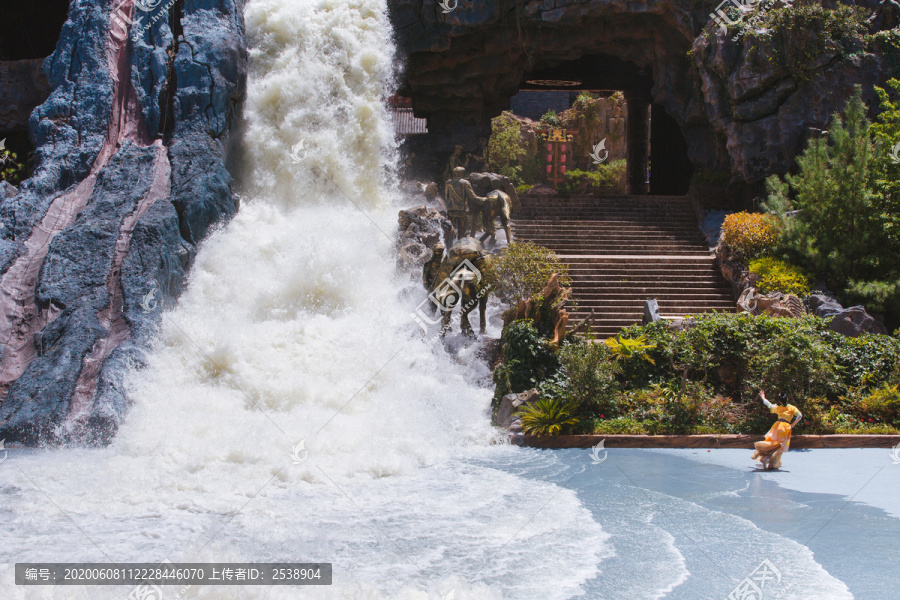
496, 205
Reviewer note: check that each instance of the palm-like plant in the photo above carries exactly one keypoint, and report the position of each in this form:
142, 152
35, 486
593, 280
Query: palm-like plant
624, 348
548, 416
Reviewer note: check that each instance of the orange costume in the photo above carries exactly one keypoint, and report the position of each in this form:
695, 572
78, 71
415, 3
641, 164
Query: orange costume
778, 439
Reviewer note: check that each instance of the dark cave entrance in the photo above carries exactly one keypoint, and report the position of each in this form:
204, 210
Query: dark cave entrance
670, 169
29, 32
31, 29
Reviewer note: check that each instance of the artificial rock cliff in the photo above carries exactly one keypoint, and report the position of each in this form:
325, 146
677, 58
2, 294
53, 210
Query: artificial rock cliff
737, 113
129, 177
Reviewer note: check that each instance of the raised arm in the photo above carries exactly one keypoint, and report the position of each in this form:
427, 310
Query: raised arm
768, 404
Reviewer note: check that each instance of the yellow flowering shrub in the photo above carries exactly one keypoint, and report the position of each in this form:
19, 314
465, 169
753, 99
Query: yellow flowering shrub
750, 234
778, 276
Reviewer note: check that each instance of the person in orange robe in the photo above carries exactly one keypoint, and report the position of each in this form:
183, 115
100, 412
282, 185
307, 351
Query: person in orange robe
778, 439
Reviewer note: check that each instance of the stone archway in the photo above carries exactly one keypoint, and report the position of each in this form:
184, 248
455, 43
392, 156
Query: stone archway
742, 114
461, 72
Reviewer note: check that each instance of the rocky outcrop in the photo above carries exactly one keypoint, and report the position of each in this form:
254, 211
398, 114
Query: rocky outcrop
129, 177
420, 228
852, 322
738, 110
774, 304
510, 404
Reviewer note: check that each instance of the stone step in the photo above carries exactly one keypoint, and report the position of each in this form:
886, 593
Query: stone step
601, 215
613, 238
622, 251
673, 294
617, 241
630, 250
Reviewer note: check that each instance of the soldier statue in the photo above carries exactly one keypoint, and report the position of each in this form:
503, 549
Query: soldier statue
458, 194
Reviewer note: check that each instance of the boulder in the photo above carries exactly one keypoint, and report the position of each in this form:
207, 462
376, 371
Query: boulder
855, 321
852, 322
774, 304
510, 404
420, 228
651, 311
823, 306
7, 190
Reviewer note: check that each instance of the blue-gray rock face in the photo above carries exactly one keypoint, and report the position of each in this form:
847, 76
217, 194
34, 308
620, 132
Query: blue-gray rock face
129, 177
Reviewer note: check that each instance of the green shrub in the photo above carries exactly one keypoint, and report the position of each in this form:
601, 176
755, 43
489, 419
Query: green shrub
606, 178
673, 407
838, 383
868, 429
527, 359
548, 416
750, 235
796, 363
551, 119
524, 188
776, 275
619, 426
800, 34
868, 360
590, 376
882, 405
522, 270
11, 170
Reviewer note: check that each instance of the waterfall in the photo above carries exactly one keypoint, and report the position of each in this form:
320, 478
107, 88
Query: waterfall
290, 408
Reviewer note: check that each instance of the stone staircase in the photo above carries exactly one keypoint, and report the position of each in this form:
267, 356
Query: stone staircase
622, 251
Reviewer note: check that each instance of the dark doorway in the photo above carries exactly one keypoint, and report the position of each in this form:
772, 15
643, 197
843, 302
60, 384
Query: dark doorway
670, 169
30, 29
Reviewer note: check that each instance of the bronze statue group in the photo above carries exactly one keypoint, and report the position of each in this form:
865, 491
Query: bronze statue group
453, 276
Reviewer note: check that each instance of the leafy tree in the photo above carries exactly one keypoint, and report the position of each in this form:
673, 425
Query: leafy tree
504, 149
847, 227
